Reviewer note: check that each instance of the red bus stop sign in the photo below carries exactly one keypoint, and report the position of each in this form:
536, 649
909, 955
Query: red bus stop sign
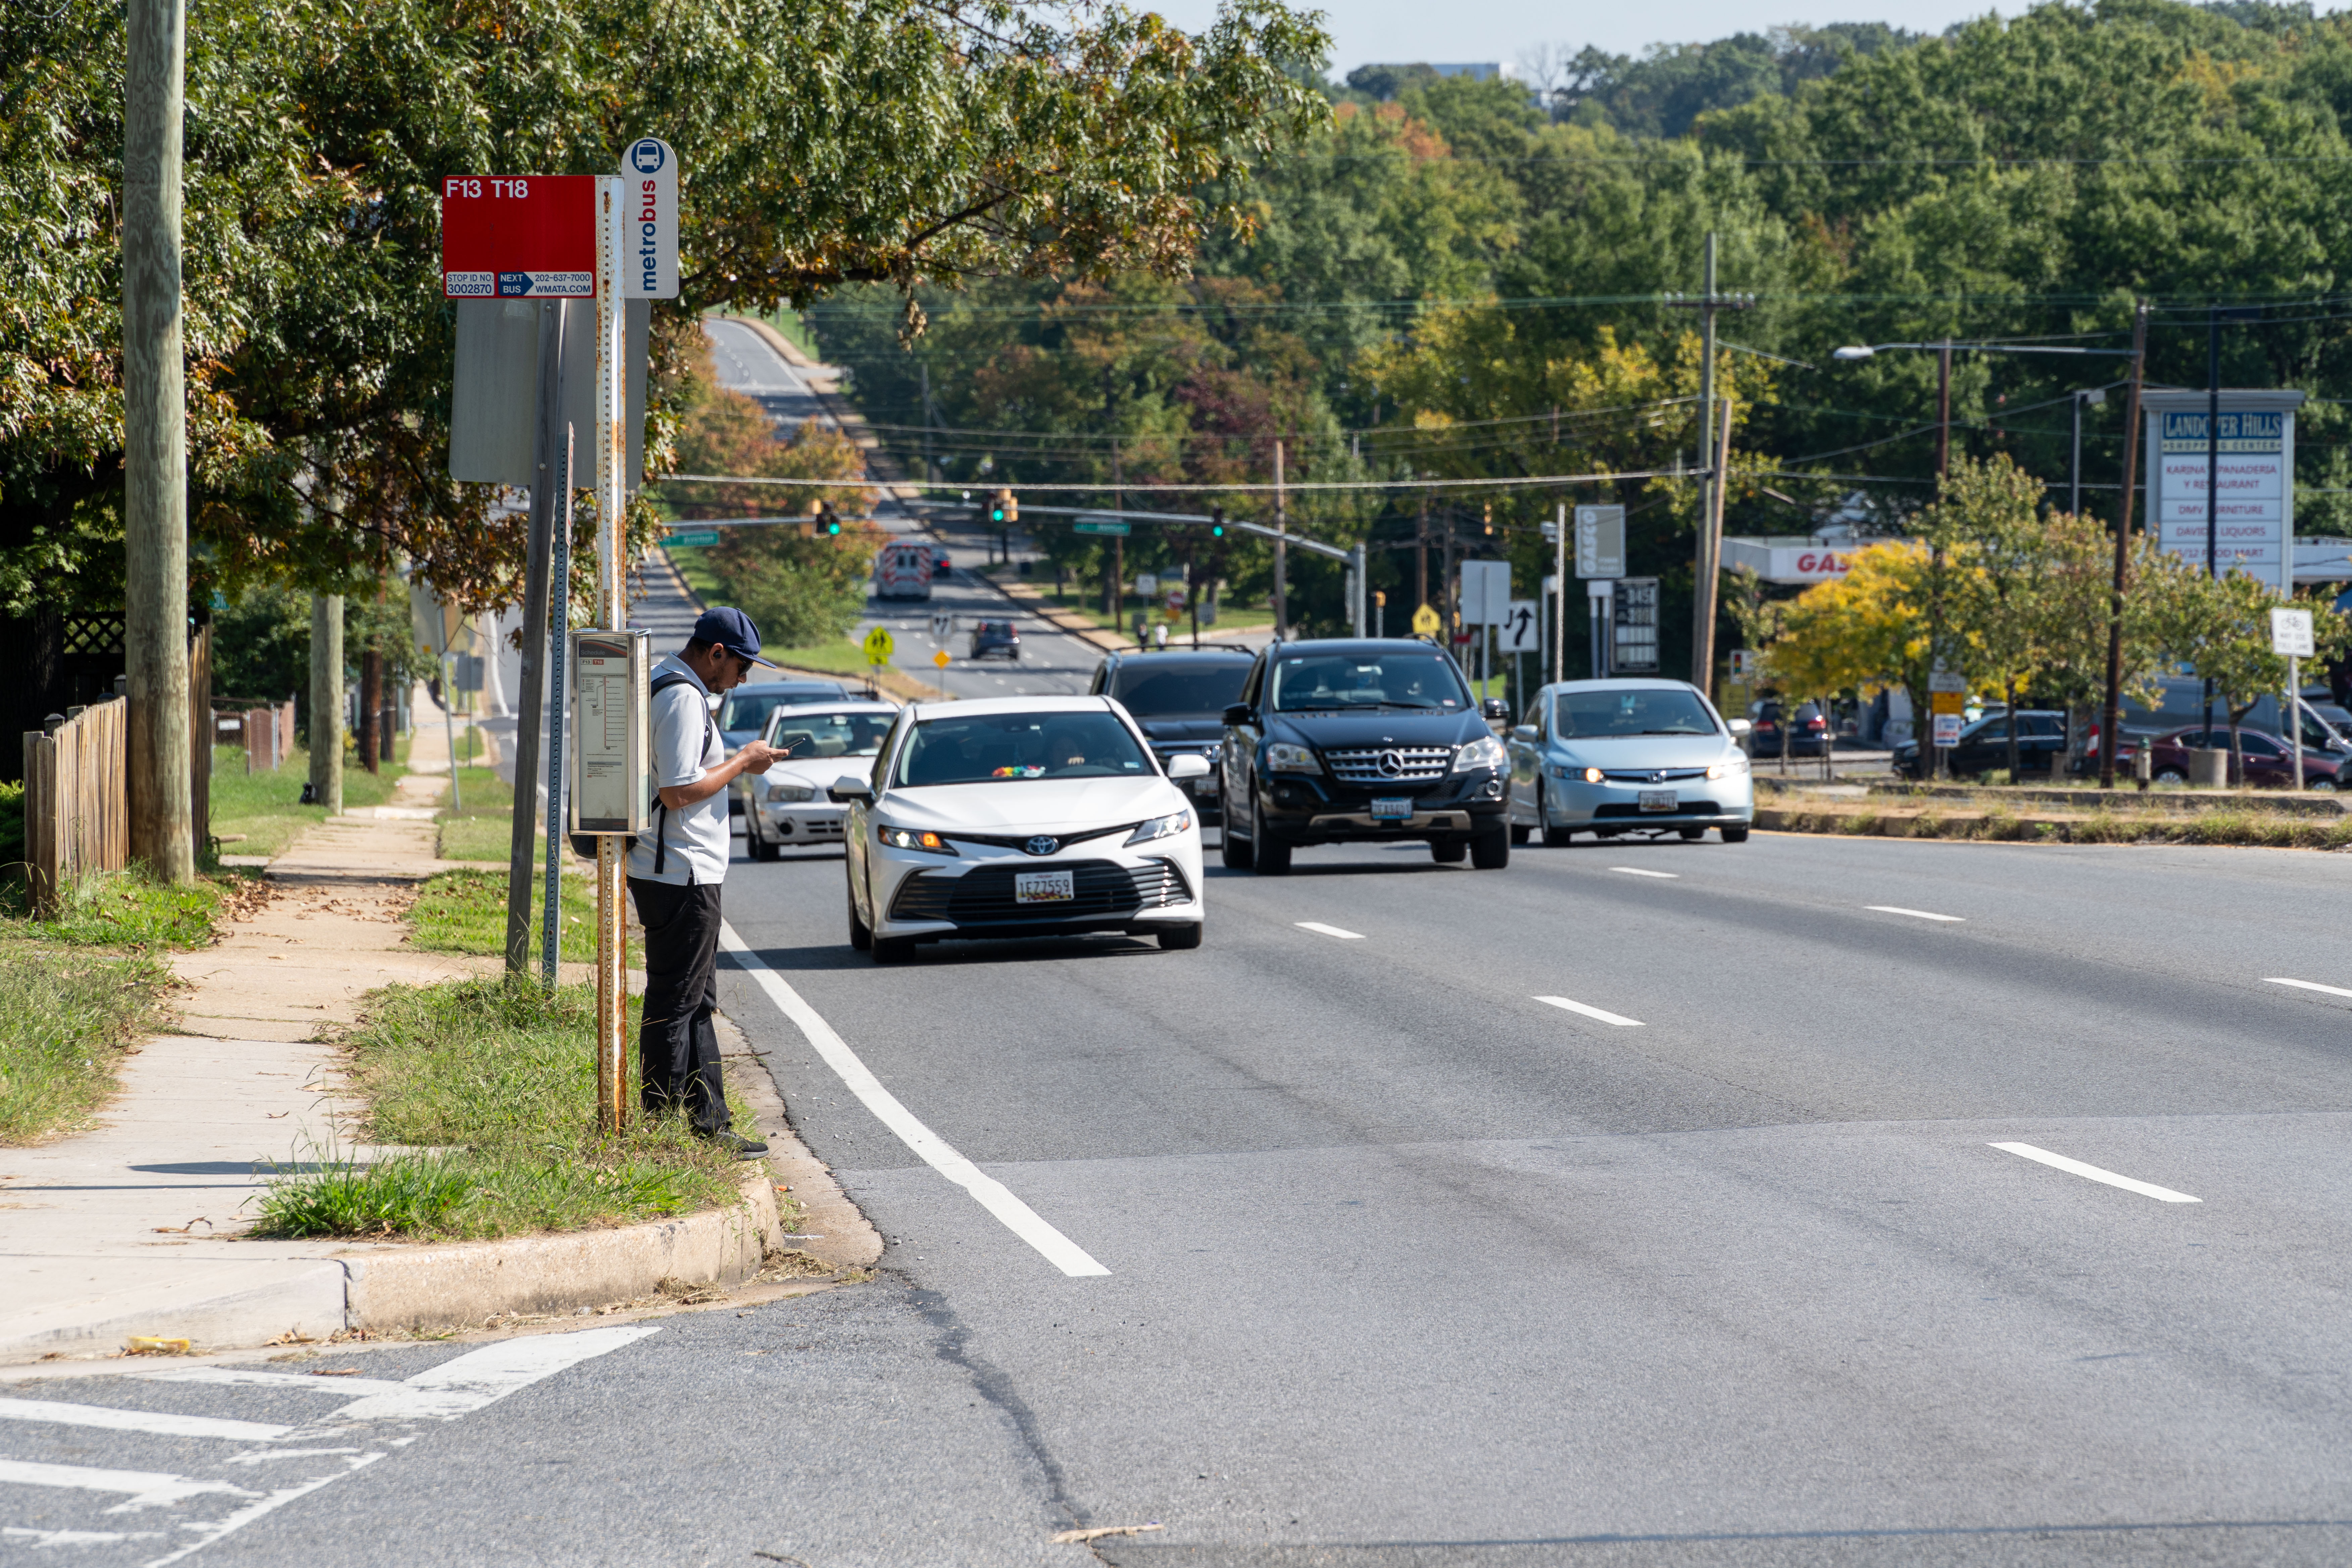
529, 238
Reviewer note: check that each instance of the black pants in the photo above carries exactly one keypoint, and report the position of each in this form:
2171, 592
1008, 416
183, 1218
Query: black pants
678, 1049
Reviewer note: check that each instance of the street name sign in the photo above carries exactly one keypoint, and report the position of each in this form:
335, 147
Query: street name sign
692, 537
1110, 526
530, 237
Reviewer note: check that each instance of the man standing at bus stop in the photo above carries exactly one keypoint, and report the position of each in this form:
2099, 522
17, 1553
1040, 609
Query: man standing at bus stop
677, 866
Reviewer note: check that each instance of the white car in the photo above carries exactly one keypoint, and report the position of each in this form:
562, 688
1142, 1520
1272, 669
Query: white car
788, 803
1017, 816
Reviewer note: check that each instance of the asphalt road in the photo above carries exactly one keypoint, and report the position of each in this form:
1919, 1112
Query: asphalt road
1408, 1267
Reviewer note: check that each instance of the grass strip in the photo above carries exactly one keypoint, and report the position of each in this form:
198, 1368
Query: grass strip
2251, 829
66, 1019
497, 1082
265, 810
466, 912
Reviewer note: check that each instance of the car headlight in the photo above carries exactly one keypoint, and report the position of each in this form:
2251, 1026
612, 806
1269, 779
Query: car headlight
1486, 751
793, 793
1284, 757
1167, 826
1730, 767
1592, 776
909, 839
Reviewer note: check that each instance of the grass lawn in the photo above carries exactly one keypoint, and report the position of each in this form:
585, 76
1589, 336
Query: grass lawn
76, 990
466, 912
267, 807
480, 831
497, 1079
693, 564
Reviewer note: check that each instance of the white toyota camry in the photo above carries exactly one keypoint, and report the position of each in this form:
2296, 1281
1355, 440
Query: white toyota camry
1019, 817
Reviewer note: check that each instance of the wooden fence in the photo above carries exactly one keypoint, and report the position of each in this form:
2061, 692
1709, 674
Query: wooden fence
77, 800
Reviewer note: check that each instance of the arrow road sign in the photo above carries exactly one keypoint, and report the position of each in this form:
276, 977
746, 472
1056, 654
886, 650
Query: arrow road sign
1522, 628
942, 627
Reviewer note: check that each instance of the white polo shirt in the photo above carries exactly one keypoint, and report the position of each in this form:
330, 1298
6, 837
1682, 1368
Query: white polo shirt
685, 745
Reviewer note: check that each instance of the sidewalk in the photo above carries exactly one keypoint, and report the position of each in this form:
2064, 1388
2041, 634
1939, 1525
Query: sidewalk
122, 1230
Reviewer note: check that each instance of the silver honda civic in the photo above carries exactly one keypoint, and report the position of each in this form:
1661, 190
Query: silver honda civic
1610, 757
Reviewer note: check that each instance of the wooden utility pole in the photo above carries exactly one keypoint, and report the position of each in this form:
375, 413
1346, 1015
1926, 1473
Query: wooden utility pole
1420, 554
1281, 553
155, 446
327, 702
1707, 565
2111, 712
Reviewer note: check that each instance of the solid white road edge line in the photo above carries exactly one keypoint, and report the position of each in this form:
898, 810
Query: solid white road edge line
2059, 1162
1589, 1012
1638, 871
64, 1413
1915, 914
1329, 930
2307, 985
993, 1194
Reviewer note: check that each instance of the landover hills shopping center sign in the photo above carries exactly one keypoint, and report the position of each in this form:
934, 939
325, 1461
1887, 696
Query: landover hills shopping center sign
2253, 479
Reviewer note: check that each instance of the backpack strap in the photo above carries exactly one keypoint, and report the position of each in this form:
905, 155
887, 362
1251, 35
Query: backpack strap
661, 808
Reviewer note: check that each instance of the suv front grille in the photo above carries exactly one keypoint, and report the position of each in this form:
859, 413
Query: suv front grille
1104, 889
1361, 765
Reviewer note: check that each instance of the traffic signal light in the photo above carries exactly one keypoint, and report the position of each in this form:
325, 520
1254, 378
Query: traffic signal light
831, 523
1217, 522
1003, 508
1486, 514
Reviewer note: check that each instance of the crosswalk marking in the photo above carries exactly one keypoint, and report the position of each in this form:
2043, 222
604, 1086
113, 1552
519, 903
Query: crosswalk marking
162, 1423
310, 1383
486, 1375
148, 1488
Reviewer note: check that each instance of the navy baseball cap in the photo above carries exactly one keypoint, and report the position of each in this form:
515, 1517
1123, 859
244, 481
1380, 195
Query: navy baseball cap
731, 629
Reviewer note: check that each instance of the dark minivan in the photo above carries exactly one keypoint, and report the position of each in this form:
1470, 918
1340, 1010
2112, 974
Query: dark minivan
1177, 697
1356, 741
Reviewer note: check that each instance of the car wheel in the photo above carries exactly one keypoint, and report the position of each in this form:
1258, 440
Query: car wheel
1270, 855
1490, 850
861, 935
1735, 835
2171, 775
2326, 786
1692, 835
1236, 852
893, 949
1449, 851
1520, 833
1553, 837
762, 849
1183, 939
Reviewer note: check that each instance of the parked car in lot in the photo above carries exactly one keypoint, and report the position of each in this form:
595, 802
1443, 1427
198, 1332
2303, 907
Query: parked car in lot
1015, 816
1612, 757
2269, 764
1177, 697
1809, 733
995, 636
1361, 739
1984, 745
788, 803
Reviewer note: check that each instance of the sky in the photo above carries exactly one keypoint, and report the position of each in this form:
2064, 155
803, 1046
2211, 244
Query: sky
1402, 31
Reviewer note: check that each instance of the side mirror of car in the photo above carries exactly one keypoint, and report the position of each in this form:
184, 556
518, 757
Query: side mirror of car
1187, 765
849, 788
1741, 726
1239, 713
1494, 708
1526, 732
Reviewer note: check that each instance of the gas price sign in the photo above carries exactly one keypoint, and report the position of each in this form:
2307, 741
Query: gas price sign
527, 237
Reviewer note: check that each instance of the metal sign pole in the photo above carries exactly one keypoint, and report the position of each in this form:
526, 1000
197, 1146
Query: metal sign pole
1560, 587
612, 611
559, 696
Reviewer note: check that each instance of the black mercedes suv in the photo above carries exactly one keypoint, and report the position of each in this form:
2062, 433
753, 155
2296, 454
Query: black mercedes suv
1179, 697
1361, 739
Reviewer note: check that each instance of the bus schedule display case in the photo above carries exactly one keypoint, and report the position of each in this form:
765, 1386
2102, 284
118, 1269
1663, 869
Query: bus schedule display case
612, 769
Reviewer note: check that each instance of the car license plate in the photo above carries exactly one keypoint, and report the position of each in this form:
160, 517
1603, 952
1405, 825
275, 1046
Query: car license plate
1391, 810
1658, 800
1044, 887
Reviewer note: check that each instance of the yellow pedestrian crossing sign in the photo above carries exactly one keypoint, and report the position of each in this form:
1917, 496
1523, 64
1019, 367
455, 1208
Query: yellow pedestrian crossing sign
878, 646
1425, 621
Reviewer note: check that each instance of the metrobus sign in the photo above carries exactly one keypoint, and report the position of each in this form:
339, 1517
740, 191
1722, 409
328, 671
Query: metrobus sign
526, 238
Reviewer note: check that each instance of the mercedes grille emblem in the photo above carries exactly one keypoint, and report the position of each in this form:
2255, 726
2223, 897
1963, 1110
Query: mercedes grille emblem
1391, 764
1041, 845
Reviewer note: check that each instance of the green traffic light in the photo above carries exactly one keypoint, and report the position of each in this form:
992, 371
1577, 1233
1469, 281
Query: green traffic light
833, 525
1216, 531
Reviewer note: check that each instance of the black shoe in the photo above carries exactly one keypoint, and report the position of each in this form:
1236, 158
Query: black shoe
735, 1143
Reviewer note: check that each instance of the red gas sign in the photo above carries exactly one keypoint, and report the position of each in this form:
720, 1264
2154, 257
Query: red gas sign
529, 237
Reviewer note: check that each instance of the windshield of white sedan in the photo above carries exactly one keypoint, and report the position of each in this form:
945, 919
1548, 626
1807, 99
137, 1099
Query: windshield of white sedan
997, 747
1638, 711
804, 733
1366, 680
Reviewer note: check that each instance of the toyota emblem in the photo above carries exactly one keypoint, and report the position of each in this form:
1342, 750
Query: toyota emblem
1391, 764
1041, 845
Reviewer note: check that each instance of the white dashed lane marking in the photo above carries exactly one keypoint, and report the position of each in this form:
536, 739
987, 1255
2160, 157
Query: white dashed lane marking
1590, 1012
1915, 914
1638, 871
1318, 927
2308, 986
2093, 1172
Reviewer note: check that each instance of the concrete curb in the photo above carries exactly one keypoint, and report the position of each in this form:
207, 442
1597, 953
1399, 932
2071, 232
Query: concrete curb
465, 1282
